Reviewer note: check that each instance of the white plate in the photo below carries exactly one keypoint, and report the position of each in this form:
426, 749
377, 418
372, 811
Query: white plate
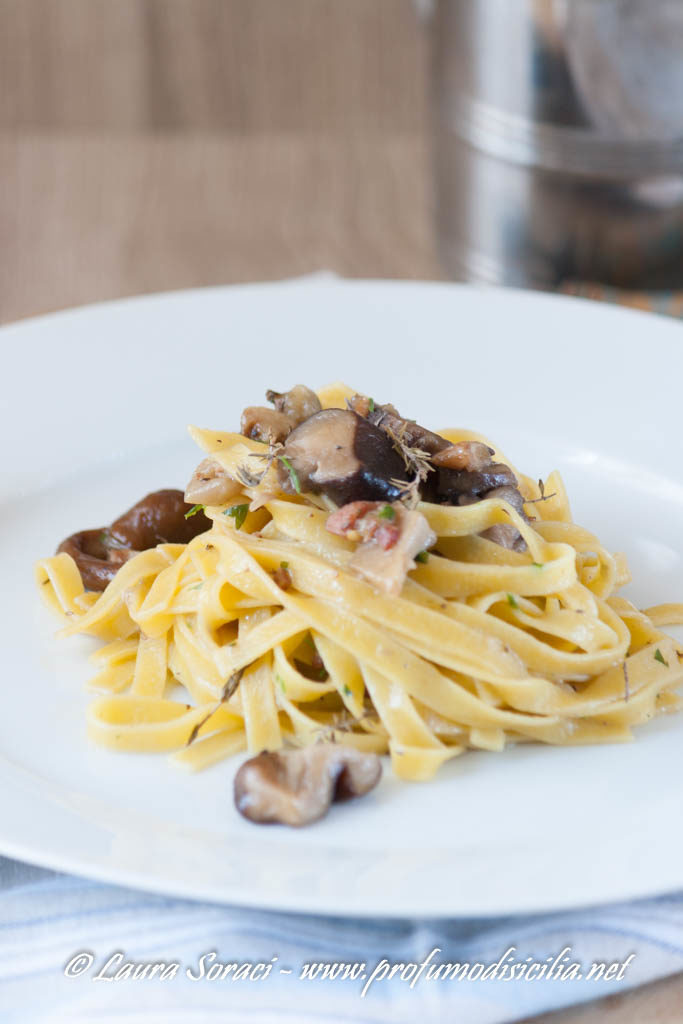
94, 411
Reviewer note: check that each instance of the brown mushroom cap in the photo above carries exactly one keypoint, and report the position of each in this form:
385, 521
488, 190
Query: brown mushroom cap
296, 787
338, 453
464, 455
157, 518
263, 424
411, 433
97, 560
298, 403
451, 484
505, 534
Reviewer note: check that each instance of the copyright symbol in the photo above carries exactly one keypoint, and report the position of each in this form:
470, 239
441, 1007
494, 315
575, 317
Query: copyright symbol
78, 964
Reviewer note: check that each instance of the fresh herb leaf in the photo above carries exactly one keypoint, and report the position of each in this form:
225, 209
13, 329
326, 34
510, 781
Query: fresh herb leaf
423, 557
293, 476
537, 565
660, 658
512, 601
371, 404
194, 510
238, 513
281, 682
388, 512
347, 690
284, 565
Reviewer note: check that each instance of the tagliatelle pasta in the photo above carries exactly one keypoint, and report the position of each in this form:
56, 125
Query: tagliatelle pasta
209, 650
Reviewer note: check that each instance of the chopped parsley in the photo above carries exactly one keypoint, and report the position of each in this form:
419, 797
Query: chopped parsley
660, 658
371, 404
293, 476
423, 557
194, 510
238, 513
388, 512
281, 682
347, 690
512, 601
284, 565
537, 565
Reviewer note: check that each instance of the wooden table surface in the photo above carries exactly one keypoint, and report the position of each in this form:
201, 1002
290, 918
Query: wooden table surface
156, 144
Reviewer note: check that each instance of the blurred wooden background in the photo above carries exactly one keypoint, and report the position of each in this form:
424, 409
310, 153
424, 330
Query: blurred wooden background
156, 144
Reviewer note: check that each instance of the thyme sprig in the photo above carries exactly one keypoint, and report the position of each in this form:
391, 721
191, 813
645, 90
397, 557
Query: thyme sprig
409, 491
228, 690
417, 460
247, 478
544, 496
344, 723
245, 475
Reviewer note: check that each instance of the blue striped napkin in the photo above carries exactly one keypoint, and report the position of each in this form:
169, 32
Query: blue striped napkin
53, 926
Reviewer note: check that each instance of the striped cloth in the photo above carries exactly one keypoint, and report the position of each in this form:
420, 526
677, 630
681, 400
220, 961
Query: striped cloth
48, 920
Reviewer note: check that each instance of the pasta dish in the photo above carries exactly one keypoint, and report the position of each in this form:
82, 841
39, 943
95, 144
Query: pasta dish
336, 572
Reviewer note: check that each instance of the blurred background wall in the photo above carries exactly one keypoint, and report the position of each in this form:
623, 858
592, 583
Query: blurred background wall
156, 144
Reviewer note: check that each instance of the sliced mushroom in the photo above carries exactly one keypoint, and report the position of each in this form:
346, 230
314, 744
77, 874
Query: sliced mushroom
410, 433
262, 424
451, 484
97, 557
361, 454
472, 455
297, 787
505, 534
274, 425
337, 453
158, 518
298, 403
211, 485
509, 494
